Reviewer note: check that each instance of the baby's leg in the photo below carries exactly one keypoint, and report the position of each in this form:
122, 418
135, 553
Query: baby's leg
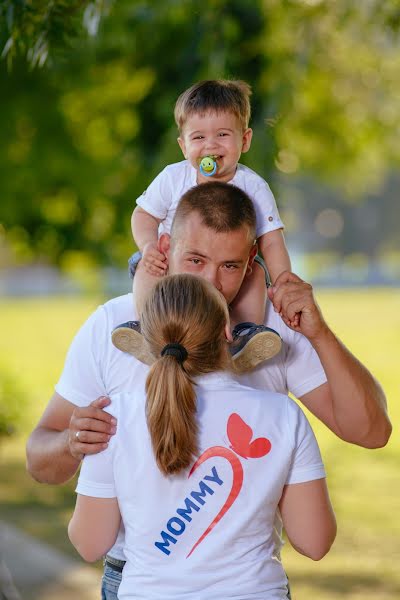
143, 283
249, 304
127, 336
253, 342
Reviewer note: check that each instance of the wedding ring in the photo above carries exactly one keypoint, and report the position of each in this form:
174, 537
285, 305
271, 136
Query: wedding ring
77, 435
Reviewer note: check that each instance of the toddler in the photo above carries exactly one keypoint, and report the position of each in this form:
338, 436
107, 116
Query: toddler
212, 118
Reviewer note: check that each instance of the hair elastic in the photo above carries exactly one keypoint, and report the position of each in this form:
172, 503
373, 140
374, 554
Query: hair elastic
176, 350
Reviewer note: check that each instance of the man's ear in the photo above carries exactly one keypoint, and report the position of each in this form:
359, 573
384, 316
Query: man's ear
246, 139
252, 255
164, 244
228, 333
182, 146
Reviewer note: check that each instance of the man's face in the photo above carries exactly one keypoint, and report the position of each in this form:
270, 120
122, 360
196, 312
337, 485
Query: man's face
221, 258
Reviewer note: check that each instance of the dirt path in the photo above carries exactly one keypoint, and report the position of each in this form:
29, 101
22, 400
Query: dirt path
40, 572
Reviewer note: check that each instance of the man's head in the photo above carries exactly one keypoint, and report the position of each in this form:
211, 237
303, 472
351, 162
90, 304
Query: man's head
214, 95
213, 236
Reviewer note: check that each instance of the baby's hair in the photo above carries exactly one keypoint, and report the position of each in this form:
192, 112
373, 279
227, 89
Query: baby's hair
222, 207
218, 95
187, 314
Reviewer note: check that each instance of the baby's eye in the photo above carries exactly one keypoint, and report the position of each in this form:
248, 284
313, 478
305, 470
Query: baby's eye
223, 134
198, 137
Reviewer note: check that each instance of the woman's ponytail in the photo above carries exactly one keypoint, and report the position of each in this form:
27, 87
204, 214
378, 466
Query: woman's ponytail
183, 323
171, 415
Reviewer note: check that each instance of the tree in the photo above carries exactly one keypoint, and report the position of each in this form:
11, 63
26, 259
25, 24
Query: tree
87, 121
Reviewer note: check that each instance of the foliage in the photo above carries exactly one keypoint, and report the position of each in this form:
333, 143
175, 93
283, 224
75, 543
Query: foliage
84, 135
38, 28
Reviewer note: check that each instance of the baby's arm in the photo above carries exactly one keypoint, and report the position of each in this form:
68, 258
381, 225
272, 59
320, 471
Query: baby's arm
145, 233
273, 248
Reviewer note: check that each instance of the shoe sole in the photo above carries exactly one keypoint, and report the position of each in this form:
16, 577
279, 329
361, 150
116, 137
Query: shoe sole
131, 341
262, 347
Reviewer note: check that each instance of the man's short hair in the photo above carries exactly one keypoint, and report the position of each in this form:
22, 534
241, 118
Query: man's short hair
219, 95
222, 207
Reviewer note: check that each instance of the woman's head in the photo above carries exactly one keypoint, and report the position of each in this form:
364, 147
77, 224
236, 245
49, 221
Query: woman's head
186, 311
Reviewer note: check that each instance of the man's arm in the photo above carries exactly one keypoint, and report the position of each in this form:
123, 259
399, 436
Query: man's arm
352, 403
53, 451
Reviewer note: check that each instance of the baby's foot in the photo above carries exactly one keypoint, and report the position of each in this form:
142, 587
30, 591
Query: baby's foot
253, 344
128, 338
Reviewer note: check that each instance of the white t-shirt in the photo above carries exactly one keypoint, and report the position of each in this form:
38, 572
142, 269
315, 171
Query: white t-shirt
207, 533
164, 193
94, 367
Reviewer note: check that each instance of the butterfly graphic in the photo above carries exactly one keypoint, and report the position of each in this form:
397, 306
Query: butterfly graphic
240, 435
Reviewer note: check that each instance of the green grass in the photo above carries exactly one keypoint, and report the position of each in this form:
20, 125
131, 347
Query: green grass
364, 484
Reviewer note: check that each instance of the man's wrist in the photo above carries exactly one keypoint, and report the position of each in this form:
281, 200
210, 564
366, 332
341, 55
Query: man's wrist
322, 338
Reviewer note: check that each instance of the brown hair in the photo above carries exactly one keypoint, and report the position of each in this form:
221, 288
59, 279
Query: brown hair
222, 207
185, 310
218, 95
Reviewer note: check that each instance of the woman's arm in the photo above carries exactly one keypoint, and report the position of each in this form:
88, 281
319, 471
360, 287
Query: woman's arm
308, 517
94, 526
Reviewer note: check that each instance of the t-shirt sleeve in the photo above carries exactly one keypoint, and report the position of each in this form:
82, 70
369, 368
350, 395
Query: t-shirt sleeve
306, 464
81, 381
156, 200
267, 214
96, 477
304, 371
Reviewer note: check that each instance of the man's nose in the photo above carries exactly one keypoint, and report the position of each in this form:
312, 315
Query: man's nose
212, 275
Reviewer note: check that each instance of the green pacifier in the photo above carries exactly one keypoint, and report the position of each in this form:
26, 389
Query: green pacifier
208, 165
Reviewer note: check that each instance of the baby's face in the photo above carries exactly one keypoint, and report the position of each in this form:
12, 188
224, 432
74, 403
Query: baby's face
216, 134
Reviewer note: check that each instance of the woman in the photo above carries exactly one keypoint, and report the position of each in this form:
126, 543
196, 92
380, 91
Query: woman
199, 467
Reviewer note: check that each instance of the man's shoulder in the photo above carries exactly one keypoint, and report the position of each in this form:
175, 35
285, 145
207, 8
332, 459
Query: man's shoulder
118, 310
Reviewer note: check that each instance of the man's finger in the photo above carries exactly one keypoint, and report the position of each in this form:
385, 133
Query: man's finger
90, 412
93, 448
285, 277
90, 437
101, 402
97, 425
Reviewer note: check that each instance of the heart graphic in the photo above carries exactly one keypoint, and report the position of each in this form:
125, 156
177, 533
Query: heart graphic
236, 483
239, 434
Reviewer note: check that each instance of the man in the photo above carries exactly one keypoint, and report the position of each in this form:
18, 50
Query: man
212, 236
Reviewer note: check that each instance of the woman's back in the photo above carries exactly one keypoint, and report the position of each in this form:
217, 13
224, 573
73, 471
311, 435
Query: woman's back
210, 530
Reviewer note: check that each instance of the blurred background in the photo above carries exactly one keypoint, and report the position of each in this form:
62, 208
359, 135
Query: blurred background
86, 122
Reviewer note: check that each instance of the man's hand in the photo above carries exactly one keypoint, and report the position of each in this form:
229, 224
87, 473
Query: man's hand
293, 299
90, 428
153, 260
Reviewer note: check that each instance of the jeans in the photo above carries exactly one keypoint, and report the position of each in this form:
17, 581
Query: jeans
110, 583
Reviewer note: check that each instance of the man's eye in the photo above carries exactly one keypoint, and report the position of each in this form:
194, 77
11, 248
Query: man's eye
195, 261
230, 267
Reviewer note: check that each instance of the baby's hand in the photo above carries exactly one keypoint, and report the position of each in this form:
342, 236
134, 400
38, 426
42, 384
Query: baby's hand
153, 260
